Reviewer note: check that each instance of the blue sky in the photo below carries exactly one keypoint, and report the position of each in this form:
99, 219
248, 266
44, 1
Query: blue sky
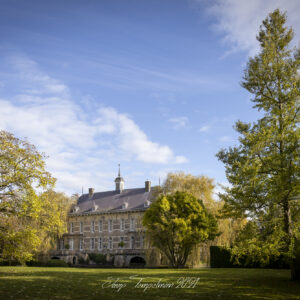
153, 85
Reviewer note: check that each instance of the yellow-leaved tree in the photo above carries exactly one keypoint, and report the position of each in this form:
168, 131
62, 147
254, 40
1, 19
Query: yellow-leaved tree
30, 211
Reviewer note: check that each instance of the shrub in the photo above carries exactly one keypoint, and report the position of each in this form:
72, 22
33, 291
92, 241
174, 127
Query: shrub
56, 263
220, 257
97, 258
83, 261
34, 263
9, 263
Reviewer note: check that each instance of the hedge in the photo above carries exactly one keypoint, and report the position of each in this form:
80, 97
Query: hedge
220, 257
56, 263
49, 263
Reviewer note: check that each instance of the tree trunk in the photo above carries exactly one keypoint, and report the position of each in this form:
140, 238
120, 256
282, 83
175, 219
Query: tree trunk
294, 262
295, 269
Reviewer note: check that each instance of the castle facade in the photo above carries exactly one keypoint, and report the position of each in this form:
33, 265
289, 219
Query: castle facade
108, 223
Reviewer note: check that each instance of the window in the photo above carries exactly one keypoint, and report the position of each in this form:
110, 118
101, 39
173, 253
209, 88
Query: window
121, 242
132, 224
92, 243
100, 244
132, 242
71, 244
142, 242
81, 244
110, 225
71, 228
122, 225
81, 227
100, 226
110, 244
93, 226
61, 244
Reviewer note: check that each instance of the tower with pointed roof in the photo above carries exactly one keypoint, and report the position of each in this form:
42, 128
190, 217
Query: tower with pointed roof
119, 182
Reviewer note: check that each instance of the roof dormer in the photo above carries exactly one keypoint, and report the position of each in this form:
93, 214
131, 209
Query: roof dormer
125, 205
147, 203
75, 209
95, 206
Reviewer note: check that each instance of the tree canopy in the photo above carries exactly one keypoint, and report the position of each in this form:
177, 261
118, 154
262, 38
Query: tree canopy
202, 187
176, 223
263, 169
31, 212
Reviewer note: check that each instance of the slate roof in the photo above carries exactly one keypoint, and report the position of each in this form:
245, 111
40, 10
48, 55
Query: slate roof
112, 201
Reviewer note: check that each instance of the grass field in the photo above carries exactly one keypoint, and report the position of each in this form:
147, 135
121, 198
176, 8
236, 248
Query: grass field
73, 283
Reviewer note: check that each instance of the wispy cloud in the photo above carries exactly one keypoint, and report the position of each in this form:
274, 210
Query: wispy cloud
239, 21
178, 122
36, 82
225, 139
216, 123
180, 159
204, 128
131, 75
81, 144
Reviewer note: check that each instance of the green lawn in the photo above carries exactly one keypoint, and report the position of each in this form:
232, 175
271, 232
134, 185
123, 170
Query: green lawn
73, 283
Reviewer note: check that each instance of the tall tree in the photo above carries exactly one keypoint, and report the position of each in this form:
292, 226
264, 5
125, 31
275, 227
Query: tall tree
264, 169
27, 218
176, 223
201, 187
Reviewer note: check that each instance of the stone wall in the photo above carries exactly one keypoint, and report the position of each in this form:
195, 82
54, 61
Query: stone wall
122, 255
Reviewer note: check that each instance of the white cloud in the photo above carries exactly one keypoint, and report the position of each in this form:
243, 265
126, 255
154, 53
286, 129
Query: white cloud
225, 139
178, 122
133, 140
204, 128
79, 144
239, 20
181, 159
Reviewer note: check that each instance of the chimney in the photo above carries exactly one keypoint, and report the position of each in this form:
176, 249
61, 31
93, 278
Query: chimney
91, 192
147, 185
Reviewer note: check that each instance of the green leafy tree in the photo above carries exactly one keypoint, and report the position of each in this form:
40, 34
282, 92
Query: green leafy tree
176, 223
264, 169
202, 187
27, 218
